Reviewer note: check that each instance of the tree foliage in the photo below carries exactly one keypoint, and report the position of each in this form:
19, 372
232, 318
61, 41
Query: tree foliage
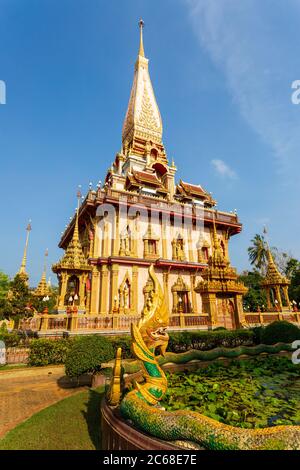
255, 297
258, 253
18, 298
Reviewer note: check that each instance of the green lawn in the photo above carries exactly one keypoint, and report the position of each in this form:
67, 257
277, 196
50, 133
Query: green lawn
13, 366
71, 424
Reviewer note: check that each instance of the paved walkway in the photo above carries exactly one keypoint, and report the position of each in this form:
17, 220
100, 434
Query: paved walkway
26, 391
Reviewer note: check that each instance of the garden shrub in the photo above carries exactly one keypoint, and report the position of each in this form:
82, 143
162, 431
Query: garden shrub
206, 340
280, 331
87, 354
123, 342
10, 339
257, 333
43, 352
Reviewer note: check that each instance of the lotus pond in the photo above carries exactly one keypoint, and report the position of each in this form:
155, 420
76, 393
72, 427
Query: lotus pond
252, 393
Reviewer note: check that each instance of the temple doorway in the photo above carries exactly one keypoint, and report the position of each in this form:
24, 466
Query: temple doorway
226, 313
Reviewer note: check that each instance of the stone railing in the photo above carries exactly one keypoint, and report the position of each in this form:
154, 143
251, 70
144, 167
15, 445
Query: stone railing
17, 355
187, 320
119, 323
263, 318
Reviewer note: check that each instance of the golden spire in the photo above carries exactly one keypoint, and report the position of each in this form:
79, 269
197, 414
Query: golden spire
141, 50
42, 289
22, 271
143, 119
273, 275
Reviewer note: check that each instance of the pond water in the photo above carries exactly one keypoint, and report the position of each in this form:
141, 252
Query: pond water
250, 393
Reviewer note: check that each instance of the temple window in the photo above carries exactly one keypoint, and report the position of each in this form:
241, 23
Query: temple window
202, 250
150, 244
205, 253
181, 297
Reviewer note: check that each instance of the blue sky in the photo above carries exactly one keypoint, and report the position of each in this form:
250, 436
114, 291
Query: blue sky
222, 72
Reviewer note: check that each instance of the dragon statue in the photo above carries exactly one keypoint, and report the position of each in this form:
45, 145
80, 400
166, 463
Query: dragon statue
141, 405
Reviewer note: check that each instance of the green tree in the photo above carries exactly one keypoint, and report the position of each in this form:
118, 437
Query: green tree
255, 296
293, 273
293, 265
18, 298
258, 253
4, 288
4, 285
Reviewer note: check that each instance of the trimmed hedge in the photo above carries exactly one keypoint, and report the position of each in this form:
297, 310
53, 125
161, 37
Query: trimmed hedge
43, 352
279, 332
87, 354
206, 340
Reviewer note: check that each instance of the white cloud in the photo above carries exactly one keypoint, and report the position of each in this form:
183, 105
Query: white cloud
251, 42
223, 169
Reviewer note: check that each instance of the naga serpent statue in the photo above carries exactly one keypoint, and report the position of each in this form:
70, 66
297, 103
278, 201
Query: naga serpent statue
141, 405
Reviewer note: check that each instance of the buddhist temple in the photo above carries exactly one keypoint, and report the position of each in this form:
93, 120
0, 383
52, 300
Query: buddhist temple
140, 216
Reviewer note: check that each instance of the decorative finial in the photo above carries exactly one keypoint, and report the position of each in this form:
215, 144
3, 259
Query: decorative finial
22, 270
141, 51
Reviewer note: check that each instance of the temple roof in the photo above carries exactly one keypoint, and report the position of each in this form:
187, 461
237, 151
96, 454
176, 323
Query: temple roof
143, 117
73, 257
191, 191
144, 177
273, 276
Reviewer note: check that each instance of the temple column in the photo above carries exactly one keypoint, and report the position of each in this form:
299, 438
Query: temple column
116, 240
134, 307
269, 303
164, 241
278, 297
286, 295
97, 245
194, 297
239, 312
105, 249
166, 289
104, 290
190, 246
175, 302
209, 306
63, 290
82, 284
114, 286
95, 288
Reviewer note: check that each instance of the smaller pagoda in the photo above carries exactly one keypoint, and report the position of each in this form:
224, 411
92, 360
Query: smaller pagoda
276, 287
42, 291
73, 274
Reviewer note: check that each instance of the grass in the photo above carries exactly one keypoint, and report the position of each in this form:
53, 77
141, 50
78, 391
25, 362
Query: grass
13, 366
70, 424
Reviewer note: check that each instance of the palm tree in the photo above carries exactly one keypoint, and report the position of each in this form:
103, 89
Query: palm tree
258, 252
